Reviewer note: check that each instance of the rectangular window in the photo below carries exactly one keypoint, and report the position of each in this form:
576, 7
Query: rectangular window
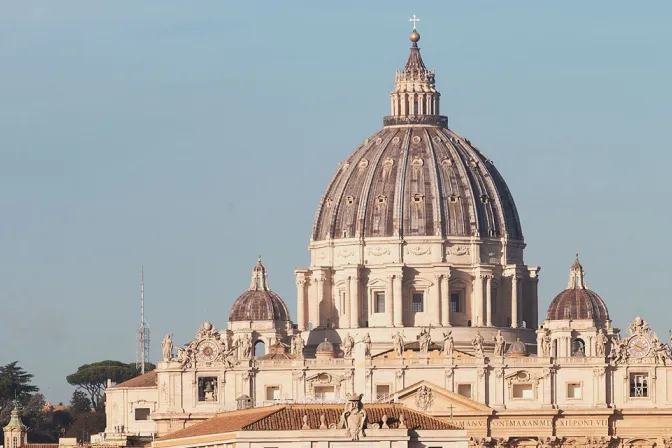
273, 393
455, 302
523, 391
464, 390
418, 302
324, 392
379, 302
15, 443
382, 392
639, 385
142, 413
574, 391
207, 388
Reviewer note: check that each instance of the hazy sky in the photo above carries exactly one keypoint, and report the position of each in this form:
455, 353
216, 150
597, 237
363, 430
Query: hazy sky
188, 136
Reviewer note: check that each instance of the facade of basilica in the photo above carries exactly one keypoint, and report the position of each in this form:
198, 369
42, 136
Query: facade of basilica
417, 297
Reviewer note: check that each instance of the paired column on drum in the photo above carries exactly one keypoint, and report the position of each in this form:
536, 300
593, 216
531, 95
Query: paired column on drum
477, 301
443, 298
488, 300
398, 299
301, 300
516, 300
481, 313
353, 299
389, 301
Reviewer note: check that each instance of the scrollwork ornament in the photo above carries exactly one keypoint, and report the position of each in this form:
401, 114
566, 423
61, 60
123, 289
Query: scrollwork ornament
598, 441
547, 442
399, 373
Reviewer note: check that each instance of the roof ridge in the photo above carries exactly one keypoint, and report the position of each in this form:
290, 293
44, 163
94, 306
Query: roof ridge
274, 411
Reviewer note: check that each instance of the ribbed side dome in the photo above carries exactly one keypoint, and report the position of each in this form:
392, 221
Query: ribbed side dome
325, 350
517, 350
577, 303
325, 346
259, 302
259, 305
416, 180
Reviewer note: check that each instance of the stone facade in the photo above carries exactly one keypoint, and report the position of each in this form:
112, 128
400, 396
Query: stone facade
417, 294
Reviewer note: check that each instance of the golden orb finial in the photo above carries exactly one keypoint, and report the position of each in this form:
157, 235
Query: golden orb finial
415, 36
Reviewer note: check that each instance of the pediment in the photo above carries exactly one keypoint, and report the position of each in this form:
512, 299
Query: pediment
428, 397
522, 377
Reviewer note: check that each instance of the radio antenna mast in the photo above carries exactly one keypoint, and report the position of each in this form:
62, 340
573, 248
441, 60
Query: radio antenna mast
142, 334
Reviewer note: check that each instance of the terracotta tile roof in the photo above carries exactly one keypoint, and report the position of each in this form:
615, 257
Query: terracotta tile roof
290, 418
146, 380
226, 422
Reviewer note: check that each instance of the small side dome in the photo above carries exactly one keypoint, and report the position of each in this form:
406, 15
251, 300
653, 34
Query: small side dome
259, 303
517, 350
577, 302
325, 350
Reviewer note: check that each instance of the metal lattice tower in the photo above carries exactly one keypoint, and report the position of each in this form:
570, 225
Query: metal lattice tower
142, 334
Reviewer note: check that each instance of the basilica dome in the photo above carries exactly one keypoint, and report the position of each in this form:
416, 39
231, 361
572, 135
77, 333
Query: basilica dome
577, 301
416, 177
259, 303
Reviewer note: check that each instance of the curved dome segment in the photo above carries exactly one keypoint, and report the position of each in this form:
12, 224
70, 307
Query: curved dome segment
417, 181
577, 303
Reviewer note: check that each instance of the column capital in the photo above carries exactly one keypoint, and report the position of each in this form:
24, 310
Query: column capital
301, 281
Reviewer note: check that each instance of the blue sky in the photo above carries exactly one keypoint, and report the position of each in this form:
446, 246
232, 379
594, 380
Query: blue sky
188, 136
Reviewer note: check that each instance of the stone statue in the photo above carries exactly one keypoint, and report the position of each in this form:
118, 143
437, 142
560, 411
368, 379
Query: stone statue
184, 356
601, 343
500, 344
367, 344
660, 350
425, 340
477, 344
167, 348
246, 346
348, 345
298, 344
448, 344
353, 417
398, 340
231, 355
546, 344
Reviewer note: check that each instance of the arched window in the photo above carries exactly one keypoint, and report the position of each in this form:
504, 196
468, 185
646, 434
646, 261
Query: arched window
578, 347
259, 348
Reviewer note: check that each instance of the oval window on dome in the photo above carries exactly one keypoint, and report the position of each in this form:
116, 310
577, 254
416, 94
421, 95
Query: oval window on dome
349, 200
